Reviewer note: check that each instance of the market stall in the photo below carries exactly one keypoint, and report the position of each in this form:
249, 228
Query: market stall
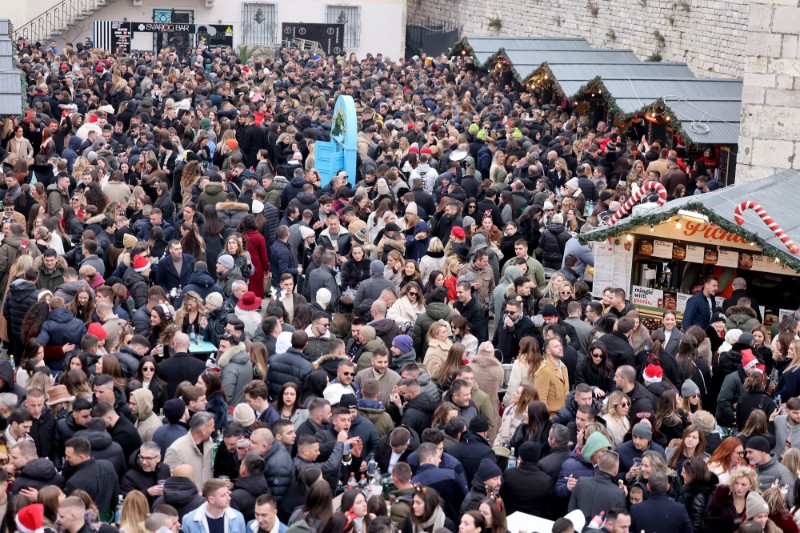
659, 254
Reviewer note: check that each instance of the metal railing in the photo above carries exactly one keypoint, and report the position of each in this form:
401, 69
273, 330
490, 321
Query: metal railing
57, 19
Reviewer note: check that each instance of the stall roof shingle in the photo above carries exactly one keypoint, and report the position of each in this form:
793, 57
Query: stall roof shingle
632, 84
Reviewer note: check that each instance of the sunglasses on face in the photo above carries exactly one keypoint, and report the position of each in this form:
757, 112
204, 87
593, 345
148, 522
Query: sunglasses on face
566, 292
348, 373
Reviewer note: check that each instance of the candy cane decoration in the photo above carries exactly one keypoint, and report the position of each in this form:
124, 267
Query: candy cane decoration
646, 187
768, 220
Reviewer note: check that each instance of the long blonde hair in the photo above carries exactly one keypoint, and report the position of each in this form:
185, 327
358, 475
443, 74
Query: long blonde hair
134, 512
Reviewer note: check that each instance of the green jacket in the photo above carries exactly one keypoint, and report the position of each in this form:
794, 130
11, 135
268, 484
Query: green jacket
274, 195
365, 361
401, 507
379, 418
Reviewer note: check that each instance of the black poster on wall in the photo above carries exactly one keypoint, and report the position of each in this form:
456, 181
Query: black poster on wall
215, 34
329, 36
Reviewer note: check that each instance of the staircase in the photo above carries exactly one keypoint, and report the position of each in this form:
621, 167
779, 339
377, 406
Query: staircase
58, 19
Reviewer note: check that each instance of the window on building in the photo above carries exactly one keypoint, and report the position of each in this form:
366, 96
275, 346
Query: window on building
259, 24
350, 16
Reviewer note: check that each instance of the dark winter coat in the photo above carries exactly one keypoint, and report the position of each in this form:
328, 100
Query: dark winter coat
181, 493
43, 432
104, 448
370, 289
552, 242
444, 481
98, 479
527, 489
231, 214
180, 367
137, 287
750, 401
279, 470
354, 272
418, 413
694, 497
659, 513
383, 452
470, 452
61, 327
167, 434
574, 466
289, 366
433, 312
732, 388
125, 434
21, 296
65, 430
220, 409
245, 492
37, 474
507, 339
720, 513
137, 479
594, 494
202, 283
290, 192
619, 349
167, 276
281, 261
628, 452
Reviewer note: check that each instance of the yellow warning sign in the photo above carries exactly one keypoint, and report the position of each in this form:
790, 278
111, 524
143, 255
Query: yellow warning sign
228, 31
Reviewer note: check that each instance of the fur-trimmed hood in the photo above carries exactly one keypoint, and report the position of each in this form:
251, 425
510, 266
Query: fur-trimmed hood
232, 206
740, 310
237, 352
97, 219
61, 263
329, 357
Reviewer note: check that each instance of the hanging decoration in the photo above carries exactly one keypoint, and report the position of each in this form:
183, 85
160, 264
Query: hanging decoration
768, 220
646, 187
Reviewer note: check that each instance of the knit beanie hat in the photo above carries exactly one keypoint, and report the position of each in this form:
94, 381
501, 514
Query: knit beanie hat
488, 469
596, 441
323, 296
653, 373
755, 505
642, 430
174, 409
689, 388
467, 221
473, 128
404, 343
244, 414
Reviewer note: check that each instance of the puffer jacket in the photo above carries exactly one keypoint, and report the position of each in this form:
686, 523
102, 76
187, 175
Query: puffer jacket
137, 287
694, 497
289, 366
741, 317
433, 312
732, 388
418, 413
182, 494
552, 242
21, 296
61, 327
291, 190
104, 447
231, 214
279, 470
246, 490
305, 200
37, 474
236, 371
50, 280
214, 193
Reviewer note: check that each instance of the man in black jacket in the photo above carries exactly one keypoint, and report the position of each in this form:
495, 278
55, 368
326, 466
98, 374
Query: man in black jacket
29, 470
470, 309
278, 470
249, 486
96, 477
44, 423
67, 427
181, 366
417, 408
473, 447
527, 487
145, 470
400, 443
290, 366
619, 348
122, 431
180, 492
512, 326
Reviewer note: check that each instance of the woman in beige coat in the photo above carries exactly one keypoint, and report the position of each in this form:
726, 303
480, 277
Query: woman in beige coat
488, 374
438, 346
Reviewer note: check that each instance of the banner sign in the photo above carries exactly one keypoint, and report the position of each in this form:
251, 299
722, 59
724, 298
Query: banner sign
329, 36
168, 27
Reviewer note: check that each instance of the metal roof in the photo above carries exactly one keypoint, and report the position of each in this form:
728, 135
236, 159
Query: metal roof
777, 194
632, 84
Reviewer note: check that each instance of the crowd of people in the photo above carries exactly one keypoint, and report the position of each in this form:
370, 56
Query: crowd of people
202, 336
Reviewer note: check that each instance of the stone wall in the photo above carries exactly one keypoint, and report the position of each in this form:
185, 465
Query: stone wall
770, 133
708, 35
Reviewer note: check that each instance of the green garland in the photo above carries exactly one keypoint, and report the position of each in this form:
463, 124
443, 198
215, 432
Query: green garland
630, 224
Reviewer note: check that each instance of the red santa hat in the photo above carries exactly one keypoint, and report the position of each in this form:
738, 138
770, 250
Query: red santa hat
30, 519
653, 374
748, 360
140, 264
93, 118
